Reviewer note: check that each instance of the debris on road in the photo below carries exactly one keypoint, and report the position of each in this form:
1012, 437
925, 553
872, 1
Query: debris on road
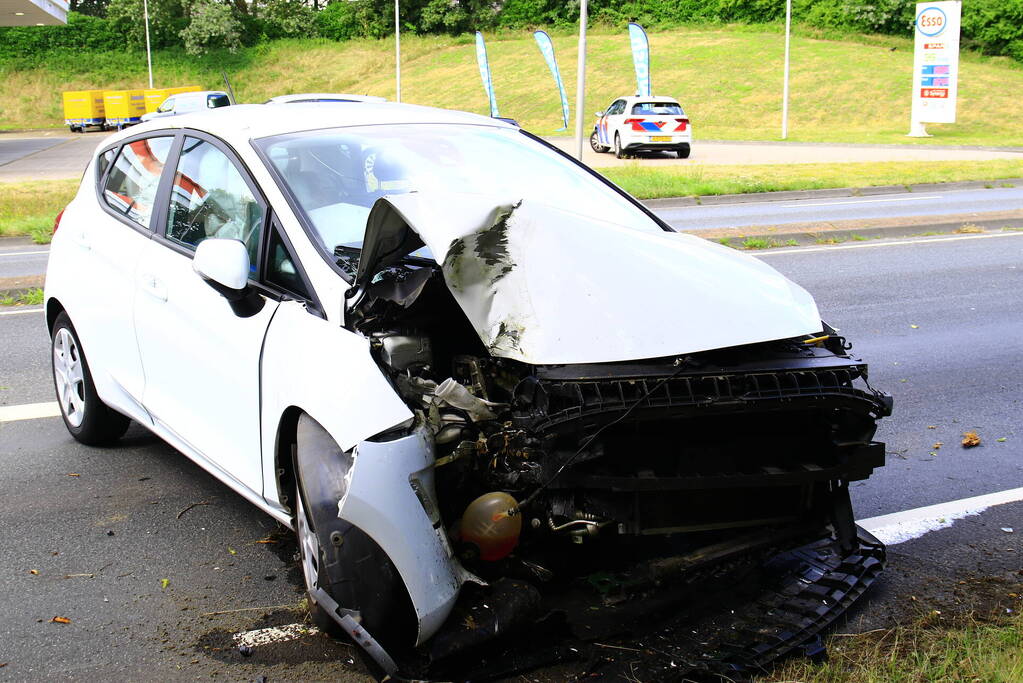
193, 505
970, 439
60, 620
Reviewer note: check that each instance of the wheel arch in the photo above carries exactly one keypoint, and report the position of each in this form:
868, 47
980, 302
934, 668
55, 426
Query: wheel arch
53, 309
285, 468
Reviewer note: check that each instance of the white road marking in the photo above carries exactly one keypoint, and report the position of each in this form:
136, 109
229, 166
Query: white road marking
22, 311
899, 527
862, 201
22, 253
29, 411
276, 634
877, 245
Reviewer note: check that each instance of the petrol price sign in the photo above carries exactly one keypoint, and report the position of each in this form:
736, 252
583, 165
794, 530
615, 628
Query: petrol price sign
935, 64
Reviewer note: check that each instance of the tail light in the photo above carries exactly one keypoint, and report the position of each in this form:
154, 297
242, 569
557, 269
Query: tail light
56, 222
682, 123
637, 124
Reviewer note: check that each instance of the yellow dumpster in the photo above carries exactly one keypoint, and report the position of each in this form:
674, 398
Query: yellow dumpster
154, 98
83, 108
124, 107
184, 88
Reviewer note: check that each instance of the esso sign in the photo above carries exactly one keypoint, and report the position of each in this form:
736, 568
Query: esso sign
931, 21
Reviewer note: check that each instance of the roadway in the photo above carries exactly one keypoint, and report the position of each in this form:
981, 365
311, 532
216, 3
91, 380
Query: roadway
937, 319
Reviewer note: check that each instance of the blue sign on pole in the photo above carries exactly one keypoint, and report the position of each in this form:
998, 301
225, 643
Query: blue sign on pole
640, 59
543, 41
488, 85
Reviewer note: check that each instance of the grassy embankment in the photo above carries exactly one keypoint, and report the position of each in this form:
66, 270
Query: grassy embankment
30, 208
728, 78
925, 651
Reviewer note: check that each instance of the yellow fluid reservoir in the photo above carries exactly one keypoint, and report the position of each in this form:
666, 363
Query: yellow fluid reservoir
492, 523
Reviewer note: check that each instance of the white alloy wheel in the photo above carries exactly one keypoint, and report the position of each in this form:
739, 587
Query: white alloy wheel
69, 376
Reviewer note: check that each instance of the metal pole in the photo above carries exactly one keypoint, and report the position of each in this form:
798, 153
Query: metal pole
149, 53
397, 52
785, 94
580, 83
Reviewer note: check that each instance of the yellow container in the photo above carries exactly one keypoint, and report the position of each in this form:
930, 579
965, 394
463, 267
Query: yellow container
124, 106
83, 108
154, 98
184, 88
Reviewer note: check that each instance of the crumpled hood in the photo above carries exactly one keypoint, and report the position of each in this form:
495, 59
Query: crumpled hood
545, 286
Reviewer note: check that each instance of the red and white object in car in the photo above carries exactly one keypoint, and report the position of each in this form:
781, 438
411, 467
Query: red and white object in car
643, 124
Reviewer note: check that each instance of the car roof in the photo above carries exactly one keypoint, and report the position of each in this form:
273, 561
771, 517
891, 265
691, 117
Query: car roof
243, 122
633, 98
197, 93
335, 96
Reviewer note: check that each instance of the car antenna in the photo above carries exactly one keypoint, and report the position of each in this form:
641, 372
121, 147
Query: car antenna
230, 90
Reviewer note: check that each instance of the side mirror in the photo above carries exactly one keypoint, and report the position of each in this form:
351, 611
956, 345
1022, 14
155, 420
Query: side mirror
224, 265
598, 114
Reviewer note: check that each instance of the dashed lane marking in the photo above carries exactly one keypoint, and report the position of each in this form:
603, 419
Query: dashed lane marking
899, 527
878, 245
22, 311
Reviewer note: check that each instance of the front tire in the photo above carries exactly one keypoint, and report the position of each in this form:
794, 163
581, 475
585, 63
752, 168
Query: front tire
619, 152
337, 556
595, 144
86, 417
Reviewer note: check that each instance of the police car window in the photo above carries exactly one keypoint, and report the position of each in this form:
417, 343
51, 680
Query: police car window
657, 109
131, 185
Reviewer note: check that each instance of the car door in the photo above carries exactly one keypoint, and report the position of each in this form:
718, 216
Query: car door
606, 126
109, 248
201, 360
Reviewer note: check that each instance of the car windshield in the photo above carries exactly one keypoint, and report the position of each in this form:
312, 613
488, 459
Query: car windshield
336, 175
658, 109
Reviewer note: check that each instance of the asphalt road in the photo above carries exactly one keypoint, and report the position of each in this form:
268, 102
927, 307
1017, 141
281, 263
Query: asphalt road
104, 528
938, 203
20, 257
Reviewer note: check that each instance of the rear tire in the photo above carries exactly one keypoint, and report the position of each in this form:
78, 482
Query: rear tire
86, 417
683, 153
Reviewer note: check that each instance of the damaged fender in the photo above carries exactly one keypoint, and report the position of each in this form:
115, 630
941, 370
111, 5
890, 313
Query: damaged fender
391, 497
546, 286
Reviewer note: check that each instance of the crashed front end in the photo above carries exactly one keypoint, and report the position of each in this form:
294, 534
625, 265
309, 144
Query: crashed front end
599, 443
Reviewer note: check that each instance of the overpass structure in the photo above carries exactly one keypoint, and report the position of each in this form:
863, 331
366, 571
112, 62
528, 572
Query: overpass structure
33, 12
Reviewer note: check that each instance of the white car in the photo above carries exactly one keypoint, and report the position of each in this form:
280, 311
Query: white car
322, 97
189, 102
643, 124
462, 366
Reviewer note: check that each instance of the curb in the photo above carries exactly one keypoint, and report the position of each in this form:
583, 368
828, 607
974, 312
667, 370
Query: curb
790, 195
809, 237
16, 286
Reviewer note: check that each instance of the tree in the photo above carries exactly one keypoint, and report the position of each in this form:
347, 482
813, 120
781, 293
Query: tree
212, 25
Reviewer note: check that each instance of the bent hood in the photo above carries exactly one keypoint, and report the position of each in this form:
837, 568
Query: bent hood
546, 286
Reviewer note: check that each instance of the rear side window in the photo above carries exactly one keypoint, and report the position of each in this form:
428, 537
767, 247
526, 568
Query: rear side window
131, 186
657, 109
210, 198
104, 162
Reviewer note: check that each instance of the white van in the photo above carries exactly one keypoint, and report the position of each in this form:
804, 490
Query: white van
187, 102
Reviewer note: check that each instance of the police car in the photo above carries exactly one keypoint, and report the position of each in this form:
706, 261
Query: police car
643, 124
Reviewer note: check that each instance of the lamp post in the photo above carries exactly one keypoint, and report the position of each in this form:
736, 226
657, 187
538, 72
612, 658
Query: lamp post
397, 52
785, 88
580, 83
149, 53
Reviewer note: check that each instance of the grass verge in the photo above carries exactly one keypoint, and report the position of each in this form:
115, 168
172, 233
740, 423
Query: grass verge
32, 297
30, 208
651, 182
926, 651
727, 77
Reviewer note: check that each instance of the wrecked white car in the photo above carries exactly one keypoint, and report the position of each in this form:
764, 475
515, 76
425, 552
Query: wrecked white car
481, 383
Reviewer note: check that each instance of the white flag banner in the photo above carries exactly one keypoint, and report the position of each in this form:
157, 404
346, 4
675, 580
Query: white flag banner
936, 62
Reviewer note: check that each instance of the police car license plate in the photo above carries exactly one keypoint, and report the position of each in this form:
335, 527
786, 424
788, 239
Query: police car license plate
660, 138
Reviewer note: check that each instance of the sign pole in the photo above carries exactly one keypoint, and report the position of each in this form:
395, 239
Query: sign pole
149, 53
580, 83
785, 87
397, 53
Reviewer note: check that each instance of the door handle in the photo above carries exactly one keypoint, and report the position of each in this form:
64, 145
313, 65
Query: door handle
154, 288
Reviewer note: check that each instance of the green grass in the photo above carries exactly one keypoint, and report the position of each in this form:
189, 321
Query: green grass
30, 208
923, 652
728, 78
31, 297
647, 182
